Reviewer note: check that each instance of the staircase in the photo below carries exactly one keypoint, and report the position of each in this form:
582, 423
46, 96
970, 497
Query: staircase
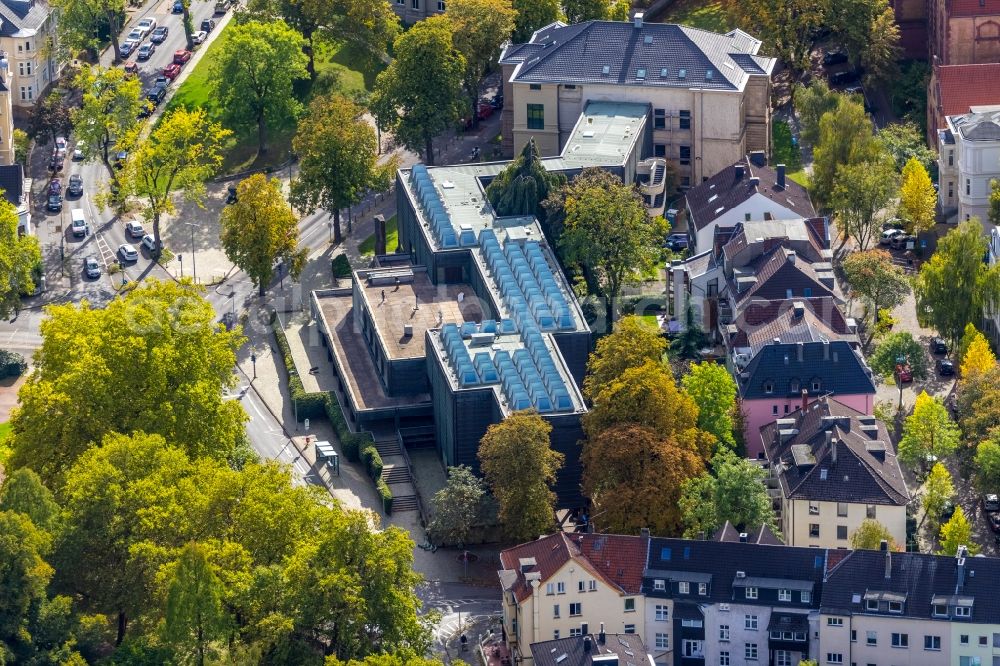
388, 447
421, 437
404, 503
392, 474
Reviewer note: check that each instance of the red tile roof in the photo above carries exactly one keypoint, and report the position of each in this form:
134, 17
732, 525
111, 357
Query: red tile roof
964, 86
974, 8
618, 560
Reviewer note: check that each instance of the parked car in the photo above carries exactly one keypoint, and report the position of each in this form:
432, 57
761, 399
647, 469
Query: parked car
497, 101
128, 253
91, 268
75, 187
835, 57
677, 242
78, 223
128, 46
131, 68
208, 25
149, 243
78, 151
156, 94
991, 503
843, 78
222, 6
231, 196
888, 235
159, 34
900, 241
62, 144
178, 7
147, 25
145, 51
137, 35
161, 80
134, 229
994, 521
903, 372
199, 37
485, 110
171, 71
946, 367
181, 56
54, 203
56, 162
121, 158
939, 346
55, 186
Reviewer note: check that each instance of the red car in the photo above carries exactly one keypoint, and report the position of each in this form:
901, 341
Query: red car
181, 56
485, 110
131, 68
903, 372
171, 71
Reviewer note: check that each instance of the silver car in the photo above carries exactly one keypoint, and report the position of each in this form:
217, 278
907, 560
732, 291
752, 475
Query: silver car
91, 267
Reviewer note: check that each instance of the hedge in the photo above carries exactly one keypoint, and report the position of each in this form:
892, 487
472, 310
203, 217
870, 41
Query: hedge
386, 494
373, 462
308, 405
353, 443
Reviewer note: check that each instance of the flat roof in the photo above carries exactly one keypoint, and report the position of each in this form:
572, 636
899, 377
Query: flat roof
604, 135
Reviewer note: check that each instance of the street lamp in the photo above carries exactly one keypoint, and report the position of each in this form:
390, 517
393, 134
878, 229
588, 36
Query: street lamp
194, 265
180, 258
253, 359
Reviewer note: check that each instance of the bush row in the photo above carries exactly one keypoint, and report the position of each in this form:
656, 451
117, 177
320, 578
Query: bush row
386, 494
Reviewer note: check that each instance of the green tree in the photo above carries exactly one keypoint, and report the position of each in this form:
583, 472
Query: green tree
480, 28
182, 152
179, 362
870, 534
734, 492
712, 388
844, 139
86, 24
532, 15
194, 614
19, 257
994, 214
957, 532
955, 285
812, 102
928, 433
881, 51
108, 113
904, 141
632, 343
938, 492
520, 465
50, 118
917, 197
338, 158
692, 339
261, 228
578, 11
419, 95
860, 193
785, 26
22, 146
23, 492
608, 232
257, 66
881, 285
987, 464
526, 187
456, 506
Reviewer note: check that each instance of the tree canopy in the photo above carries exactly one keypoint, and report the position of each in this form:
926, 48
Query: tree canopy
928, 433
979, 405
957, 532
88, 24
938, 492
20, 255
987, 464
532, 15
904, 141
456, 506
786, 26
734, 491
630, 345
861, 192
108, 112
917, 197
480, 28
978, 357
870, 534
881, 284
812, 102
894, 345
712, 388
523, 186
844, 139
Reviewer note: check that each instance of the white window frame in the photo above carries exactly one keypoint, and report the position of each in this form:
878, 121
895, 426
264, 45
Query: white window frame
683, 587
835, 622
751, 652
702, 589
724, 632
661, 641
834, 658
750, 622
659, 584
661, 613
579, 609
963, 611
560, 588
806, 596
900, 640
724, 658
750, 593
784, 595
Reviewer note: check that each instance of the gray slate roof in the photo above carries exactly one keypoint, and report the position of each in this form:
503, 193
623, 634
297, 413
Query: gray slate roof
835, 365
12, 183
22, 18
761, 535
572, 651
668, 55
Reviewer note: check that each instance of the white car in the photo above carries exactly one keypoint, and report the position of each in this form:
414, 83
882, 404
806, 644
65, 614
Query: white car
146, 25
128, 252
199, 37
134, 229
888, 235
149, 242
78, 151
137, 34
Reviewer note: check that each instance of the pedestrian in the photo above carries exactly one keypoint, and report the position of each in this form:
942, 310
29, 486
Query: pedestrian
383, 295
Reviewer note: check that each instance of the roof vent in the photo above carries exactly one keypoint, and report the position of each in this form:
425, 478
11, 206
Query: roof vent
606, 70
637, 19
640, 73
743, 537
663, 73
648, 39
682, 74
741, 574
708, 74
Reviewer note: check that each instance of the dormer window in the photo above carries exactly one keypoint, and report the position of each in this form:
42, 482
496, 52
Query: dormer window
659, 584
751, 593
940, 610
895, 607
684, 587
768, 387
871, 604
963, 611
816, 385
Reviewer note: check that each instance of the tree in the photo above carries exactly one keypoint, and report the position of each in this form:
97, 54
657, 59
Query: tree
979, 405
894, 345
735, 493
607, 231
860, 193
928, 433
23, 492
526, 187
881, 51
712, 388
811, 103
419, 95
179, 362
260, 229
23, 579
532, 15
19, 257
578, 11
480, 28
994, 213
254, 74
904, 141
917, 197
844, 139
957, 532
520, 465
88, 24
22, 146
969, 334
648, 396
978, 357
879, 282
50, 118
109, 111
987, 464
633, 477
785, 26
182, 152
938, 492
870, 534
692, 338
456, 506
338, 158
955, 285
194, 614
630, 345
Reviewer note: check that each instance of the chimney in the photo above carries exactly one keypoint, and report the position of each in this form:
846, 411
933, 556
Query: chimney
805, 399
826, 350
601, 637
754, 181
800, 346
637, 19
739, 171
790, 256
798, 308
586, 644
884, 547
644, 532
960, 573
781, 176
743, 537
833, 449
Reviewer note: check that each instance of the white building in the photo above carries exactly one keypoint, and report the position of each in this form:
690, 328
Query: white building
28, 36
968, 159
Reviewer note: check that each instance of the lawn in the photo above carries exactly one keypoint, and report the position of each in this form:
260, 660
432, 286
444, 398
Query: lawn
337, 68
785, 152
698, 14
367, 247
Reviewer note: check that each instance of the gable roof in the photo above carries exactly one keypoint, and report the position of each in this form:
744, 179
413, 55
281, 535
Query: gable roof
669, 55
576, 651
761, 535
791, 368
791, 320
961, 87
831, 452
777, 272
732, 187
12, 183
615, 559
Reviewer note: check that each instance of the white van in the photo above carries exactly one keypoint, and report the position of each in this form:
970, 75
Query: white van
79, 226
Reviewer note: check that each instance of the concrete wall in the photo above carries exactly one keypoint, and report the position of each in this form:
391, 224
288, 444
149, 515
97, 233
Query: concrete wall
977, 163
975, 640
761, 411
547, 139
838, 640
654, 626
796, 519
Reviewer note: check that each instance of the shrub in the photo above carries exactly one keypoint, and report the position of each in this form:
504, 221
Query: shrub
340, 266
386, 494
307, 405
11, 364
373, 462
352, 442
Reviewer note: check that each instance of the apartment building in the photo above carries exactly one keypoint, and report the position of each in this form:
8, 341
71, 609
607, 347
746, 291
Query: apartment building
709, 94
968, 160
28, 37
598, 649
956, 89
834, 467
411, 11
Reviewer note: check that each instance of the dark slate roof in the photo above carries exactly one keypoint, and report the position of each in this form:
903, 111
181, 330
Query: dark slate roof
728, 189
12, 183
761, 322
761, 535
778, 271
573, 651
836, 366
762, 236
916, 579
22, 18
833, 453
797, 622
982, 128
580, 53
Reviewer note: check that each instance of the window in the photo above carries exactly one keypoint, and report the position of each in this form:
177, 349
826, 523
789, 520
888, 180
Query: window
592, 585
659, 150
751, 593
854, 635
27, 93
813, 508
576, 631
750, 651
951, 158
871, 604
629, 628
807, 596
659, 584
932, 642
24, 68
536, 116
692, 624
560, 588
691, 648
535, 86
576, 609
685, 154
842, 532
968, 186
581, 586
871, 638
662, 641
834, 621
723, 632
842, 509
940, 611
27, 46
895, 606
550, 588
813, 530
415, 4
661, 613
870, 511
555, 610
964, 639
724, 658
440, 5
570, 87
963, 611
555, 635
834, 658
659, 118
786, 409
900, 640
750, 622
815, 385
970, 661
774, 410
996, 640
685, 120
630, 605
702, 589
782, 658
684, 587
983, 641
951, 189
746, 217
784, 595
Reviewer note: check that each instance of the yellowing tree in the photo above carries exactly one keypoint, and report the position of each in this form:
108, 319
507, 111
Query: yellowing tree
938, 491
928, 431
632, 343
917, 197
957, 532
870, 535
978, 358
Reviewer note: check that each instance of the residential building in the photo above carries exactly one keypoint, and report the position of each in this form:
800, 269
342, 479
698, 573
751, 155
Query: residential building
6, 115
411, 11
834, 467
760, 535
956, 32
28, 36
747, 191
16, 190
708, 94
565, 585
956, 89
599, 649
968, 160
